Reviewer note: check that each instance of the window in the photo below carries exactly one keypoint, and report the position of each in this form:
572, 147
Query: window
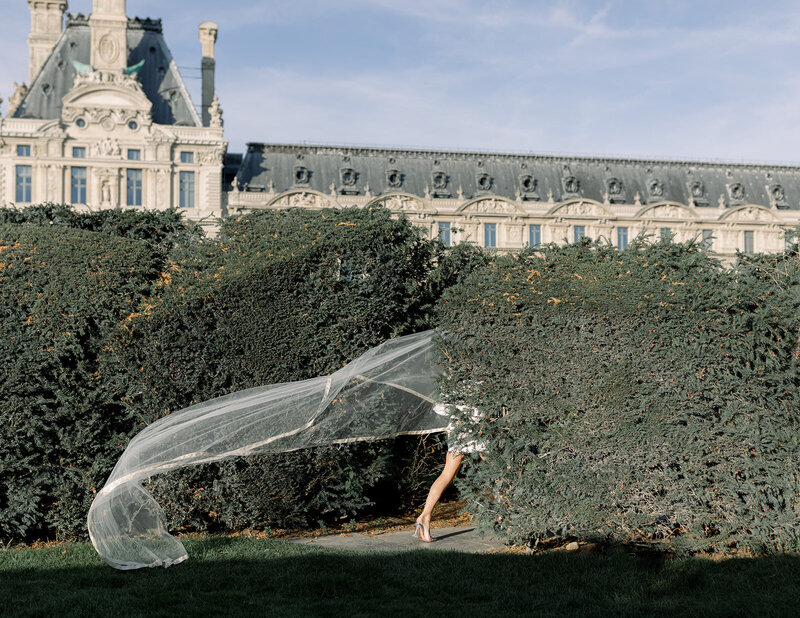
622, 238
665, 233
444, 233
535, 236
186, 190
134, 155
748, 241
490, 235
24, 182
134, 187
187, 157
78, 152
708, 240
23, 150
77, 183
579, 232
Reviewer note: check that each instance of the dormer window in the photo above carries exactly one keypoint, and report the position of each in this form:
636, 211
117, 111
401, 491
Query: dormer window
571, 185
301, 175
484, 182
394, 179
439, 181
348, 177
528, 183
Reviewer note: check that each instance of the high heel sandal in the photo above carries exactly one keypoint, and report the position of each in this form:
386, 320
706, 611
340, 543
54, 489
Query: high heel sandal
418, 530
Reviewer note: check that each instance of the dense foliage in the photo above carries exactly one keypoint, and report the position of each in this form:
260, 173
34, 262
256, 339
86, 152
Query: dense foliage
644, 395
62, 294
107, 330
281, 296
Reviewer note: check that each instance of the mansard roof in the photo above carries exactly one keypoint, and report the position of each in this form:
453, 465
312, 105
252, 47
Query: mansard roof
527, 177
159, 77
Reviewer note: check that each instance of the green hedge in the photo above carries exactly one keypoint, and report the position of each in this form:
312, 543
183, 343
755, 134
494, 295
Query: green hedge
161, 230
62, 294
283, 296
113, 319
645, 395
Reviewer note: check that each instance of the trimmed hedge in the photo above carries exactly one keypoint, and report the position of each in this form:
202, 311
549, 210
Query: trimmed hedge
62, 294
283, 296
161, 230
644, 395
104, 331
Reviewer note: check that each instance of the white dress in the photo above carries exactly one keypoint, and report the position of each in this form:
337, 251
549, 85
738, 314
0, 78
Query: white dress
460, 442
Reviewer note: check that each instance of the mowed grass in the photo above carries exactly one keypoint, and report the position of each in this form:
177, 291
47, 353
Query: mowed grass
258, 577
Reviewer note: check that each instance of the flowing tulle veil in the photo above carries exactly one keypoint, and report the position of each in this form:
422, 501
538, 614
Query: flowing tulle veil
386, 392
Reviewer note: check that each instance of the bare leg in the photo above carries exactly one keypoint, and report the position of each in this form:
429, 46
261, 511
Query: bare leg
451, 465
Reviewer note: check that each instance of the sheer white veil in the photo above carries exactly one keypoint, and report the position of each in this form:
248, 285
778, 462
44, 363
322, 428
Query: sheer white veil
389, 391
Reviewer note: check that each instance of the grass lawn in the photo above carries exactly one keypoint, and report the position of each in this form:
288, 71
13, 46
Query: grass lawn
247, 576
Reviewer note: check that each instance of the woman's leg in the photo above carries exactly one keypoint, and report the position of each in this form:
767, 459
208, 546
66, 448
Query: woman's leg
451, 465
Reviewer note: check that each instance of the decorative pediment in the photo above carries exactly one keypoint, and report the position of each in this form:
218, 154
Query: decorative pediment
491, 205
666, 210
303, 199
106, 98
580, 208
749, 213
402, 202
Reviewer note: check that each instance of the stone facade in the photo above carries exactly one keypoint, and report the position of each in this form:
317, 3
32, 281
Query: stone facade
107, 122
507, 202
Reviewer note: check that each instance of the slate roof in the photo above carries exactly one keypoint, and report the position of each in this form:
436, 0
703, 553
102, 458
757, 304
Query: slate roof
533, 176
159, 77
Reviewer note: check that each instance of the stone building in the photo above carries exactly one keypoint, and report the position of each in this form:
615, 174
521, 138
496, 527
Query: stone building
107, 121
509, 201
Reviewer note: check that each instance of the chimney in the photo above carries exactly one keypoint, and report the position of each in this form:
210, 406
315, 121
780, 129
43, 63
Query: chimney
47, 18
109, 28
208, 37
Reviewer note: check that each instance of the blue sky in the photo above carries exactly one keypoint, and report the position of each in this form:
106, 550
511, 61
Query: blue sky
672, 79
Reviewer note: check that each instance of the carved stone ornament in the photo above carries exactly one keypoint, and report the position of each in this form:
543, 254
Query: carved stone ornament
347, 176
394, 179
776, 194
439, 181
20, 90
301, 175
749, 214
403, 203
571, 185
527, 183
736, 191
492, 205
212, 156
697, 189
582, 209
484, 182
303, 199
107, 147
614, 186
668, 211
215, 113
108, 48
655, 188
